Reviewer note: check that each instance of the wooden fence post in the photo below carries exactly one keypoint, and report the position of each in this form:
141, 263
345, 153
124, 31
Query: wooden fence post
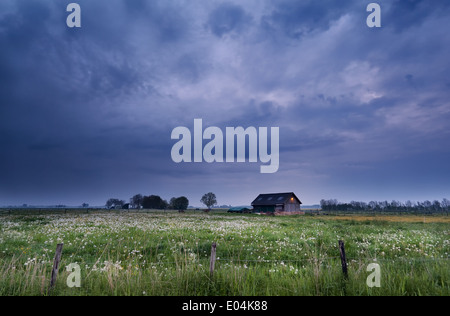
56, 261
343, 259
213, 259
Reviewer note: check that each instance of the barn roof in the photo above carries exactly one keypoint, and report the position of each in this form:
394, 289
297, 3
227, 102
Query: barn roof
274, 198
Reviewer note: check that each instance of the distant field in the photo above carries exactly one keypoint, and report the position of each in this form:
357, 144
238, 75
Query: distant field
168, 253
393, 218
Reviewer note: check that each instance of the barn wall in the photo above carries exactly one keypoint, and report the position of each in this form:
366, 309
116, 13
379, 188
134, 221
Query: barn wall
264, 209
290, 209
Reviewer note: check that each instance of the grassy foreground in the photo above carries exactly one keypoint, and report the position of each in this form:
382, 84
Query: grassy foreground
169, 254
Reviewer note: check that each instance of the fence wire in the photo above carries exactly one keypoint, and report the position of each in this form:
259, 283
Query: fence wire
238, 261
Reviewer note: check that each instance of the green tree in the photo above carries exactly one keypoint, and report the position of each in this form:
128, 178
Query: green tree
154, 202
209, 199
181, 203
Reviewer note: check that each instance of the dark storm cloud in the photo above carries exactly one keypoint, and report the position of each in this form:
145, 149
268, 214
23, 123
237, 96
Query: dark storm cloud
87, 113
412, 13
63, 100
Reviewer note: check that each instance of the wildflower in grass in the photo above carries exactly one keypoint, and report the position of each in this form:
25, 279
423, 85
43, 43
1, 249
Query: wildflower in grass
30, 261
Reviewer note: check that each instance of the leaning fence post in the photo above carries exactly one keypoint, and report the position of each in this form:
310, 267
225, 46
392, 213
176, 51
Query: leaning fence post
56, 261
213, 259
343, 259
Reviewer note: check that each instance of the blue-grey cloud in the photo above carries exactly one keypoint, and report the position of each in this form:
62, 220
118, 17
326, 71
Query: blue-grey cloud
295, 19
228, 18
87, 113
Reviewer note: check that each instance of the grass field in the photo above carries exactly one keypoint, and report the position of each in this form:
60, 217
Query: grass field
156, 253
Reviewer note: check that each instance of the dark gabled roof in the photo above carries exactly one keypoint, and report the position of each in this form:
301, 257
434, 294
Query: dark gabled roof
274, 198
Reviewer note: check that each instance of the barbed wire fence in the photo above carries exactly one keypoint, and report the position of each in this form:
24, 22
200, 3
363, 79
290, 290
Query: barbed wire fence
214, 259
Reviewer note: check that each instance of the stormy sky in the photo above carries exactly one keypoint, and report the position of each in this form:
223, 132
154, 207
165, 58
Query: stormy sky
86, 113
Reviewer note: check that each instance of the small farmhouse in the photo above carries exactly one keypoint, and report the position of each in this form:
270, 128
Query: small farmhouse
277, 203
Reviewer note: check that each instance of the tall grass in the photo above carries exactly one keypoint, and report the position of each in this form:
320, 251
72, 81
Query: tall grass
168, 254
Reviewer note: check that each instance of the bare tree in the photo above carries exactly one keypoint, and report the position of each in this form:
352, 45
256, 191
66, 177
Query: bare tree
426, 205
445, 205
436, 206
408, 205
136, 201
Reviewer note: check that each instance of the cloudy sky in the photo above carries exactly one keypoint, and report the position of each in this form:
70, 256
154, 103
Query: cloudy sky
86, 113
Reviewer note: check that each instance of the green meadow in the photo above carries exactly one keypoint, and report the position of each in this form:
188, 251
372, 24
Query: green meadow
168, 253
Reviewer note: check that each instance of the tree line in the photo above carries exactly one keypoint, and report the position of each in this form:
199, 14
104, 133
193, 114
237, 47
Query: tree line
385, 206
139, 201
